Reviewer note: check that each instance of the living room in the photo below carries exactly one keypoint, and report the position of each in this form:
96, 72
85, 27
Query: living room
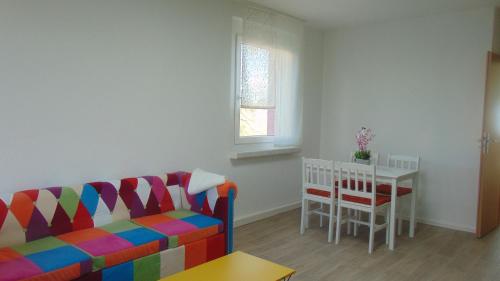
166, 139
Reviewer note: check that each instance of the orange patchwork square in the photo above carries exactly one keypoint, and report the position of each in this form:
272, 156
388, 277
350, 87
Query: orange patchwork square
189, 237
83, 235
152, 220
7, 254
22, 207
196, 253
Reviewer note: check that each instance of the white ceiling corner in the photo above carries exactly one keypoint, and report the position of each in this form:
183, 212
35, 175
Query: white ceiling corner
328, 14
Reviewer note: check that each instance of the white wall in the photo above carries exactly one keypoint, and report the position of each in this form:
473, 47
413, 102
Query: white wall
496, 31
93, 90
419, 84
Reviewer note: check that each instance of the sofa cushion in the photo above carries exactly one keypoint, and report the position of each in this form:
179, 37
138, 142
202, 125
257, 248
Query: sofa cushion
182, 226
46, 259
116, 243
146, 195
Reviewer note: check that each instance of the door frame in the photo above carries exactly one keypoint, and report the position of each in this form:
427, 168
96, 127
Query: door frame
491, 56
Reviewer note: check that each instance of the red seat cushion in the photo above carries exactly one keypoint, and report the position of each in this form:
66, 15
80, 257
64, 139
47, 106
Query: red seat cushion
320, 192
380, 199
386, 189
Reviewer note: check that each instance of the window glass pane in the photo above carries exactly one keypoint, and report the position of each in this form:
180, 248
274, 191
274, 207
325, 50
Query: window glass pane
256, 122
255, 77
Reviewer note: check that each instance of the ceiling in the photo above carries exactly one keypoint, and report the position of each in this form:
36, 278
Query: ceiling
336, 13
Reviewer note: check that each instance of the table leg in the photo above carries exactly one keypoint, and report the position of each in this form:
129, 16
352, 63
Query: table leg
392, 224
413, 206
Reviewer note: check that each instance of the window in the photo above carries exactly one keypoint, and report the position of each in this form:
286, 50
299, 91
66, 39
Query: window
266, 85
256, 93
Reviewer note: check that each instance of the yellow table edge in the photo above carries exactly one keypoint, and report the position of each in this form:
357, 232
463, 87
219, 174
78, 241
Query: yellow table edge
236, 266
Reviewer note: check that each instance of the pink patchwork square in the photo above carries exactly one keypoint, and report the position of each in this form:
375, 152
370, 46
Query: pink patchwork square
174, 227
105, 245
18, 268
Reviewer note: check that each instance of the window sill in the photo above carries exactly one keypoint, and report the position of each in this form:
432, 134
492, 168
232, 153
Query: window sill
263, 152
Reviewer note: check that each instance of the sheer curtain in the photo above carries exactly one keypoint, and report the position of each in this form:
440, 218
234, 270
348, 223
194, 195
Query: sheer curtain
283, 36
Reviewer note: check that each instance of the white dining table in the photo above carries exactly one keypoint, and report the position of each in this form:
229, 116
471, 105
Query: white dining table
394, 176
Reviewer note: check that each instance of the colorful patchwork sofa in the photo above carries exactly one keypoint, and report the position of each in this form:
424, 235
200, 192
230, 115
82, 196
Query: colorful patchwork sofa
137, 229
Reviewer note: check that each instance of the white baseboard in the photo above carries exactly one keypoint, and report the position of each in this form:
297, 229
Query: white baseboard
266, 214
287, 207
443, 224
447, 225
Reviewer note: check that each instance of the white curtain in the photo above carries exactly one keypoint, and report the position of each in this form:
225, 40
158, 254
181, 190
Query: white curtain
284, 36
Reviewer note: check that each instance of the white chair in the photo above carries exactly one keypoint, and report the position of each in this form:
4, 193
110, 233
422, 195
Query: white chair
360, 197
318, 186
403, 162
373, 161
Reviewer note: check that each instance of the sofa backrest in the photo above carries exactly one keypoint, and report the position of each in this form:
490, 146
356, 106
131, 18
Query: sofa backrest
36, 213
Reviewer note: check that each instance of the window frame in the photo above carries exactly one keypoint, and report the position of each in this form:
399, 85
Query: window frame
237, 101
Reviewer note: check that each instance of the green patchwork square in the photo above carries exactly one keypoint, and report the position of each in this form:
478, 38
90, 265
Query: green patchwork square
147, 268
40, 245
119, 226
173, 241
69, 201
98, 263
179, 214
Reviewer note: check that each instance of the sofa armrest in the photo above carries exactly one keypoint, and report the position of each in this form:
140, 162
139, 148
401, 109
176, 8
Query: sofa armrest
224, 210
217, 202
224, 189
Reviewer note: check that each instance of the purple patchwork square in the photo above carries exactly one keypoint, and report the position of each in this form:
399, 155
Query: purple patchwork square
174, 227
18, 268
105, 245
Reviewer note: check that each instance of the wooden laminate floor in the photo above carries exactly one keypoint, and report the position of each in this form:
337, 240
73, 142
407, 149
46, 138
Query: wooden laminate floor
434, 254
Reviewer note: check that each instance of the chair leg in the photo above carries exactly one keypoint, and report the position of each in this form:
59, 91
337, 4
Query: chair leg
372, 231
356, 216
338, 226
330, 223
306, 219
387, 221
303, 217
348, 221
413, 210
400, 224
321, 216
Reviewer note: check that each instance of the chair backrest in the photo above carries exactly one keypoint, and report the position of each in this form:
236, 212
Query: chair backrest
403, 162
373, 158
318, 174
361, 176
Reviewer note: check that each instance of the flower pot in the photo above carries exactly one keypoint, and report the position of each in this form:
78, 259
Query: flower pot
362, 161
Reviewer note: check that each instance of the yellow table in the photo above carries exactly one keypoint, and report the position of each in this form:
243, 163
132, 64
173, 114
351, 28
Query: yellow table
236, 266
